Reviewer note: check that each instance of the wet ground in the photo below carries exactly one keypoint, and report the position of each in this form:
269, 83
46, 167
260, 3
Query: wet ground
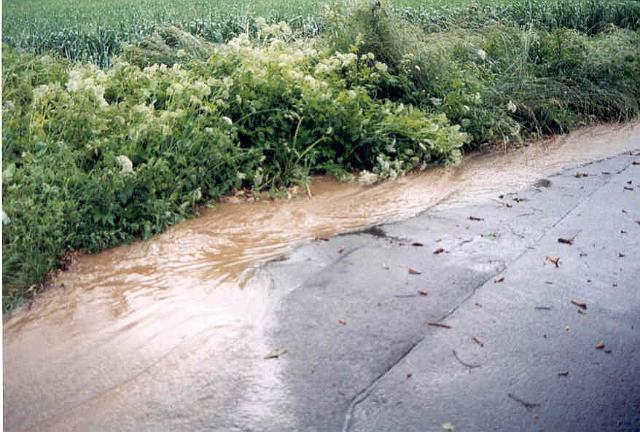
172, 334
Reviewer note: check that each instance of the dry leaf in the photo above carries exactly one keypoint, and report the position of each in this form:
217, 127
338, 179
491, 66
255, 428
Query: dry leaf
600, 345
498, 279
423, 292
413, 271
553, 259
343, 322
581, 305
438, 251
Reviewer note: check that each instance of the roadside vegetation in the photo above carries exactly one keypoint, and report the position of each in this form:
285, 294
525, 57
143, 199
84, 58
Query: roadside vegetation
118, 127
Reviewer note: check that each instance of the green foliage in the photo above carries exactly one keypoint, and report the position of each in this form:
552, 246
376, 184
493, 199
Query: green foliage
499, 81
96, 157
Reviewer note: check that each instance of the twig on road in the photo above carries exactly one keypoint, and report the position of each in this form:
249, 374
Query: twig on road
524, 403
462, 362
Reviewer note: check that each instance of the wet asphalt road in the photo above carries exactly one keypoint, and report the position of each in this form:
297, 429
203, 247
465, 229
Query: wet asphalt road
467, 316
506, 329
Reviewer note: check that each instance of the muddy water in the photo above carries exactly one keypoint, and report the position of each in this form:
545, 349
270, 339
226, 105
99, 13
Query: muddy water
169, 334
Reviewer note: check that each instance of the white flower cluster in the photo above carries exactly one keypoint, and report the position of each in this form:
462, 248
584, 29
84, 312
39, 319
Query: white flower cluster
40, 93
367, 178
126, 166
368, 56
89, 79
238, 42
278, 29
381, 67
388, 168
346, 58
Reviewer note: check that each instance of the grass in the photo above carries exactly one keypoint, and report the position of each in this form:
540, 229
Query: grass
101, 145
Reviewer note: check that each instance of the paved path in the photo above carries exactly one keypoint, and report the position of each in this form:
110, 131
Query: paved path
361, 356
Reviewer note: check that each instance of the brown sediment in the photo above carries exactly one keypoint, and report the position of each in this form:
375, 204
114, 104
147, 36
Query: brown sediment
131, 324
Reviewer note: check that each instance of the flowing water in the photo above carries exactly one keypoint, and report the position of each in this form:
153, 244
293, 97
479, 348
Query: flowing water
172, 328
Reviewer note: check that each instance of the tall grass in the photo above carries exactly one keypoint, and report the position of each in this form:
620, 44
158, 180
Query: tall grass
501, 81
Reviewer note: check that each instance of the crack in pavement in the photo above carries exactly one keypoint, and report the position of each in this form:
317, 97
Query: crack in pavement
363, 394
366, 392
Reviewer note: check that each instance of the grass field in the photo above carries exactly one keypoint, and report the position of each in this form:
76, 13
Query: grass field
121, 118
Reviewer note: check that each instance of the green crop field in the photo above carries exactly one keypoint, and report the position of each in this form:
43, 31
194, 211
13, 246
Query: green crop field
94, 30
122, 117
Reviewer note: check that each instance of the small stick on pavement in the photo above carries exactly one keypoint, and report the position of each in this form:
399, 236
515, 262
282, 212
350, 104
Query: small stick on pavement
470, 366
478, 341
276, 353
524, 403
435, 324
543, 307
